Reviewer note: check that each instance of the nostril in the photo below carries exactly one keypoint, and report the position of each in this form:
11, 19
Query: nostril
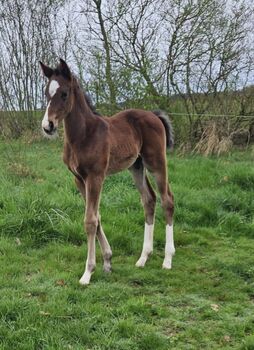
47, 131
51, 126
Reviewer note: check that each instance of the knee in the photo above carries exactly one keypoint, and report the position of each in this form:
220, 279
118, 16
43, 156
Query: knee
91, 224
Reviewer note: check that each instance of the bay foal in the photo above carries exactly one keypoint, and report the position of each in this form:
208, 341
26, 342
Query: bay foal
96, 146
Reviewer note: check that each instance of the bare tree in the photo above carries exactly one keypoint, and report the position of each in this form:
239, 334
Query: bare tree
206, 53
27, 33
206, 43
136, 40
96, 38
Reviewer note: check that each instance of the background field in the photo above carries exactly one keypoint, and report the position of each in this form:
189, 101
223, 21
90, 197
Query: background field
205, 302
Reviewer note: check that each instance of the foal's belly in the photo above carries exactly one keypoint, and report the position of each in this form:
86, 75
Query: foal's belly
121, 157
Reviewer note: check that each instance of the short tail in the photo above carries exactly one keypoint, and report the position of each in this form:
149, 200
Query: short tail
168, 127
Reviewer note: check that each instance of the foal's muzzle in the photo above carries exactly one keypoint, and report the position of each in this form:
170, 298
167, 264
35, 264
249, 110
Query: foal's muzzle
51, 129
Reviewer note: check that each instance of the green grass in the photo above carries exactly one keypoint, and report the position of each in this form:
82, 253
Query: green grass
205, 302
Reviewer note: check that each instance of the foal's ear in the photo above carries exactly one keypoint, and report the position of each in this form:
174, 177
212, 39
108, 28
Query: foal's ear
64, 69
47, 71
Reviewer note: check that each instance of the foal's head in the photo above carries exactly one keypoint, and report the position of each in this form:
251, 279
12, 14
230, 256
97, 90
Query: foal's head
59, 96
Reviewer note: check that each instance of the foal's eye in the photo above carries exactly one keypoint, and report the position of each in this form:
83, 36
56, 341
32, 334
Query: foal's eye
64, 95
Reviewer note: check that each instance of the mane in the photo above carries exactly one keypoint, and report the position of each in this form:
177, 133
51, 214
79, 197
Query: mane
90, 103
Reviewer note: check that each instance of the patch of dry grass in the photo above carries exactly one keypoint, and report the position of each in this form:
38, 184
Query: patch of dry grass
213, 141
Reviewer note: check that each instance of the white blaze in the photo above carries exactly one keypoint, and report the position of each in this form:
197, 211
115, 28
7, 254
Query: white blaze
54, 85
45, 120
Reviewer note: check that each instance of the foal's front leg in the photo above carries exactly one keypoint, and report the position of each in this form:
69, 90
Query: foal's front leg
104, 244
93, 190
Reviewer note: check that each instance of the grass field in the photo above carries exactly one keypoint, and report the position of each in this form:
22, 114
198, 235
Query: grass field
205, 302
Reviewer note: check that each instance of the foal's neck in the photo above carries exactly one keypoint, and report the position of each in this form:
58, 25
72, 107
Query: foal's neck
80, 118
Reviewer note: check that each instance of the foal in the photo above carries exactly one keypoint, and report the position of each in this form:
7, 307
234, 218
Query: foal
96, 146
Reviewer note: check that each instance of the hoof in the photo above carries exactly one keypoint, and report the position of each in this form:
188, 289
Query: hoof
167, 265
141, 262
84, 283
107, 269
85, 279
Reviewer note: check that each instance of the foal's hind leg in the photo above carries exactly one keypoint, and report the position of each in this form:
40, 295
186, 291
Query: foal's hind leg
148, 198
167, 202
